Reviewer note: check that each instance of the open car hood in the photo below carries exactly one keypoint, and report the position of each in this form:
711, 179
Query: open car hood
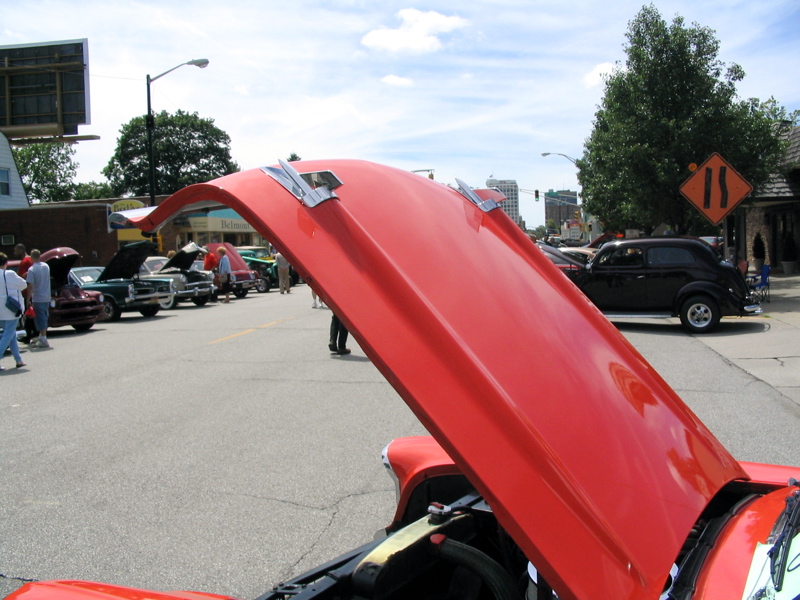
236, 260
60, 260
126, 262
183, 258
598, 472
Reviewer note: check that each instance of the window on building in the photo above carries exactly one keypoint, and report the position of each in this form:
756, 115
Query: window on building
5, 183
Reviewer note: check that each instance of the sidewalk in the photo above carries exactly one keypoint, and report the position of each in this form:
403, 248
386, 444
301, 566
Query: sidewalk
768, 346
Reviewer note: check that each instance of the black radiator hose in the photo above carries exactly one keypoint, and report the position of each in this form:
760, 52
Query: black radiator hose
491, 573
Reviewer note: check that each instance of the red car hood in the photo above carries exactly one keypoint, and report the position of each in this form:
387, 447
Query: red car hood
598, 470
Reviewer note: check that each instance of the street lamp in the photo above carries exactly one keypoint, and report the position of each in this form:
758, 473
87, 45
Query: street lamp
574, 162
150, 123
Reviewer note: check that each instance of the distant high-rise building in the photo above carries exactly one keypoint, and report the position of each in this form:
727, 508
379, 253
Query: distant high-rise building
510, 205
560, 206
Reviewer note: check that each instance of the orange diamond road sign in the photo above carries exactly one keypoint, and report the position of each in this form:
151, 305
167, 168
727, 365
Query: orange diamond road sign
715, 188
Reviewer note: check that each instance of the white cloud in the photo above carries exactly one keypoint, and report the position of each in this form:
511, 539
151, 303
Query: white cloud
595, 77
398, 81
417, 34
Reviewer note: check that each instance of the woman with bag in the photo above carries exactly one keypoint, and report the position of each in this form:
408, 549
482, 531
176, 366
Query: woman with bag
11, 303
224, 273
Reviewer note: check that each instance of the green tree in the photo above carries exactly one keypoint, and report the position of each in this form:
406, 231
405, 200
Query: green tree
47, 171
293, 157
672, 104
92, 190
187, 149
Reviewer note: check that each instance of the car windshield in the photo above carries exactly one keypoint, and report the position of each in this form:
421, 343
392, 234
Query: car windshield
153, 264
87, 274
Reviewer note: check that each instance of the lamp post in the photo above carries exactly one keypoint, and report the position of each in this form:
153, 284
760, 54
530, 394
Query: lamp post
569, 158
150, 123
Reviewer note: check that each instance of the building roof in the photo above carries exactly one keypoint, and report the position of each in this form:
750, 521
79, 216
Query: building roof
785, 185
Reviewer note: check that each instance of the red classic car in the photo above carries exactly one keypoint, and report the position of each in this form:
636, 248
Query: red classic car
243, 278
596, 483
70, 305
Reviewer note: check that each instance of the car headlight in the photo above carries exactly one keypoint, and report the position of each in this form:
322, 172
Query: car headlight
183, 278
131, 291
101, 298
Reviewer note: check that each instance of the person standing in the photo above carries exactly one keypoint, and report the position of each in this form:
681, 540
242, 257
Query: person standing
314, 298
338, 337
210, 260
13, 286
224, 271
283, 273
25, 261
39, 295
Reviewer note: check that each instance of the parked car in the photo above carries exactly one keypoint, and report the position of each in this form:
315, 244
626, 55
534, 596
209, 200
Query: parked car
581, 254
243, 279
254, 251
716, 242
566, 264
122, 288
259, 259
547, 470
70, 306
190, 285
262, 266
666, 277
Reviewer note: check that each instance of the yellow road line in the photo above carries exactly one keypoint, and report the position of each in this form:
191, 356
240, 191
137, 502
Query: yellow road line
247, 331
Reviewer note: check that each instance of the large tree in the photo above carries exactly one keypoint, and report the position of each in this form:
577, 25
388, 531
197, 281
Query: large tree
47, 171
187, 149
672, 104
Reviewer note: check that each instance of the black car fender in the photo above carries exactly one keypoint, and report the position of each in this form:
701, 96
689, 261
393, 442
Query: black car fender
723, 296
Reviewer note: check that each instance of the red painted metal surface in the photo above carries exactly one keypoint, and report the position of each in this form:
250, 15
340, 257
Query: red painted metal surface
728, 563
598, 472
414, 459
83, 590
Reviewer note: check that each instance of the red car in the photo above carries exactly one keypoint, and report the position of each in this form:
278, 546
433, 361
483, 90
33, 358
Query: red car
598, 482
70, 305
243, 278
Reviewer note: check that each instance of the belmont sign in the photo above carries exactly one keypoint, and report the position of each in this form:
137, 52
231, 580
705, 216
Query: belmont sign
218, 224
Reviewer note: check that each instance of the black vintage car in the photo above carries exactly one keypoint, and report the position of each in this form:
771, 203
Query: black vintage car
666, 277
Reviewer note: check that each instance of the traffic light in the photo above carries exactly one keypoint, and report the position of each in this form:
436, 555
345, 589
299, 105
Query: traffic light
577, 215
536, 195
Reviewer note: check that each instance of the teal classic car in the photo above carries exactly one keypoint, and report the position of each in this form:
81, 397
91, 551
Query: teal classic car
122, 288
261, 262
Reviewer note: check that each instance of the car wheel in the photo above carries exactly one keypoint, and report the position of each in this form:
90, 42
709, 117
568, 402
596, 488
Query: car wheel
201, 300
168, 304
240, 293
699, 314
111, 310
150, 311
263, 285
83, 327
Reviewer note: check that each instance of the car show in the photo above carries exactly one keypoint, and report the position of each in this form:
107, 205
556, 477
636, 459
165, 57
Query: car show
419, 310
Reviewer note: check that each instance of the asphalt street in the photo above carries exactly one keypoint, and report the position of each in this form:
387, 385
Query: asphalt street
224, 449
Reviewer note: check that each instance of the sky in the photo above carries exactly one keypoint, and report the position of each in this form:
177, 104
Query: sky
470, 90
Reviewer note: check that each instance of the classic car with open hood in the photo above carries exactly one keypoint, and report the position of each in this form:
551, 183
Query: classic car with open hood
629, 497
70, 306
243, 278
122, 287
190, 285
